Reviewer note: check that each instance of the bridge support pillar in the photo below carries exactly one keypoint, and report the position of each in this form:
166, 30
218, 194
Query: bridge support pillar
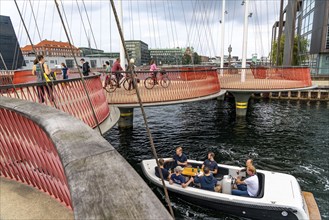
126, 118
241, 103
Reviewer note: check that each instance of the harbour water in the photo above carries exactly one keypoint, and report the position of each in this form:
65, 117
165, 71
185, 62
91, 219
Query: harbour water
280, 135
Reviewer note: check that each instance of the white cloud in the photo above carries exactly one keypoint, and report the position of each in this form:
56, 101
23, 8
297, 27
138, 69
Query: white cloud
158, 23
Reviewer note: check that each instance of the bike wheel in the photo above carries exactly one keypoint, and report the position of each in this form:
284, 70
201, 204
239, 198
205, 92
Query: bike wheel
149, 83
165, 82
111, 86
128, 84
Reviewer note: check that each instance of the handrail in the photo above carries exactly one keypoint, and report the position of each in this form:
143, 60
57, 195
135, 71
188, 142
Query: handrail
68, 95
185, 83
265, 78
52, 151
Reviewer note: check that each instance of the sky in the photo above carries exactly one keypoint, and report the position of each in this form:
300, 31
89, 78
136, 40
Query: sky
159, 23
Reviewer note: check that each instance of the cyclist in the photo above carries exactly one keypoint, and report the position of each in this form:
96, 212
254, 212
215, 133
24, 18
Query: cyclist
153, 67
115, 69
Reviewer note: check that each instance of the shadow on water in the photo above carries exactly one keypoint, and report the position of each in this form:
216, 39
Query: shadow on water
285, 136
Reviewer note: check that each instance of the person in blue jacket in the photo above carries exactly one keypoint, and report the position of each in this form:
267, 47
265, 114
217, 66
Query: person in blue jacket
207, 181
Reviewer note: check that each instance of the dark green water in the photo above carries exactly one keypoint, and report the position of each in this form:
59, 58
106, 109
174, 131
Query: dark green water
285, 136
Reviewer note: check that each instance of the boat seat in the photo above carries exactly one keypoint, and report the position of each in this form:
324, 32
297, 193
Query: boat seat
221, 172
261, 181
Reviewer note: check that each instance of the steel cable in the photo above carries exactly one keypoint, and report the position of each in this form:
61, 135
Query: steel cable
142, 109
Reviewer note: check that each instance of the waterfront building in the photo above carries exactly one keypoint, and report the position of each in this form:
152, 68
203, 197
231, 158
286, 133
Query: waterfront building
50, 48
85, 51
167, 56
138, 50
313, 25
9, 46
311, 22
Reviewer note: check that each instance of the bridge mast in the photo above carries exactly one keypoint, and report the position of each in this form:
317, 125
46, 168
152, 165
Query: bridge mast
122, 50
222, 37
245, 39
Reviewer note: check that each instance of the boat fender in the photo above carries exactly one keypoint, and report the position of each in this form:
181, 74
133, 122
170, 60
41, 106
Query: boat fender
227, 184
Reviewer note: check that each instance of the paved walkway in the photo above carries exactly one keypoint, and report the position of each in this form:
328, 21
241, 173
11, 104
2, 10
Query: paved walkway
19, 201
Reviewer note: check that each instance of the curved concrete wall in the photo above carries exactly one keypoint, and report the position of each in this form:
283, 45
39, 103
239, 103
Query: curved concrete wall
102, 184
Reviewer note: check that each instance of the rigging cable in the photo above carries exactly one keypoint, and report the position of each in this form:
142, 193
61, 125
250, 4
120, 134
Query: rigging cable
16, 53
154, 32
52, 24
166, 20
83, 24
142, 109
33, 48
91, 29
76, 61
157, 24
139, 23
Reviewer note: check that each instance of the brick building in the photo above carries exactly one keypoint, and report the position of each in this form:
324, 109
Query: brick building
51, 49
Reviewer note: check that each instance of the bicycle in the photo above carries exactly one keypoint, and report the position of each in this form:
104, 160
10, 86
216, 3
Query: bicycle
111, 83
151, 81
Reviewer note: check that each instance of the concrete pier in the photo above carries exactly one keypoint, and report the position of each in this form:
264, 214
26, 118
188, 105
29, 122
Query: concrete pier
241, 102
126, 119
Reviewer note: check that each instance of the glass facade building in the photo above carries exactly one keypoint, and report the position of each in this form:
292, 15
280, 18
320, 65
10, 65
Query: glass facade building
138, 50
313, 25
9, 46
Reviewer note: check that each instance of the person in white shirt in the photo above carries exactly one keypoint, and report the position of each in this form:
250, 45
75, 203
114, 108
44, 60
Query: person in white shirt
248, 187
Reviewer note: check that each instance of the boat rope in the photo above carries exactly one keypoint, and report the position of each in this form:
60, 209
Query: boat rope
33, 48
76, 62
142, 108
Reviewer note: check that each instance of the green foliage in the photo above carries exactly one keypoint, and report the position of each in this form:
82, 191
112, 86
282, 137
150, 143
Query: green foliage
187, 59
296, 60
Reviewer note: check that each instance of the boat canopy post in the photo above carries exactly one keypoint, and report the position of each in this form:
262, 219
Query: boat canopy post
245, 39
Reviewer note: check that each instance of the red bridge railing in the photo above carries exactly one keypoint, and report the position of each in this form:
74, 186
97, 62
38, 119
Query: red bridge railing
266, 78
66, 95
184, 84
28, 155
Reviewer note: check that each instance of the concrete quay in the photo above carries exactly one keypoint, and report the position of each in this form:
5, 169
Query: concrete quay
20, 201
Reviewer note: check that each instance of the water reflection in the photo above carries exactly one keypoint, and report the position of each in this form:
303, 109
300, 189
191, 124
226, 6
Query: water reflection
286, 136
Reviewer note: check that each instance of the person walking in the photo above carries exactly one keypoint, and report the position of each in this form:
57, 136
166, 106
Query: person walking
85, 67
64, 71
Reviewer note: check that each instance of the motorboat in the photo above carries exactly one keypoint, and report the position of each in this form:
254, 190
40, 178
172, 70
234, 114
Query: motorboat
279, 195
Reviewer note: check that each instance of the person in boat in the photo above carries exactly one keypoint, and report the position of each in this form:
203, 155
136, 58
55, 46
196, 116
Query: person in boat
178, 178
165, 172
249, 162
207, 180
211, 163
249, 186
180, 159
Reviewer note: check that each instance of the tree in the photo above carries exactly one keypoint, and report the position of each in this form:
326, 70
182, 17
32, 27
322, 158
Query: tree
299, 51
187, 59
196, 58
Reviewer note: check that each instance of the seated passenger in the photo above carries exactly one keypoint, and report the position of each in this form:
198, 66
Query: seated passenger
208, 181
180, 158
249, 162
211, 163
178, 178
248, 187
164, 171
